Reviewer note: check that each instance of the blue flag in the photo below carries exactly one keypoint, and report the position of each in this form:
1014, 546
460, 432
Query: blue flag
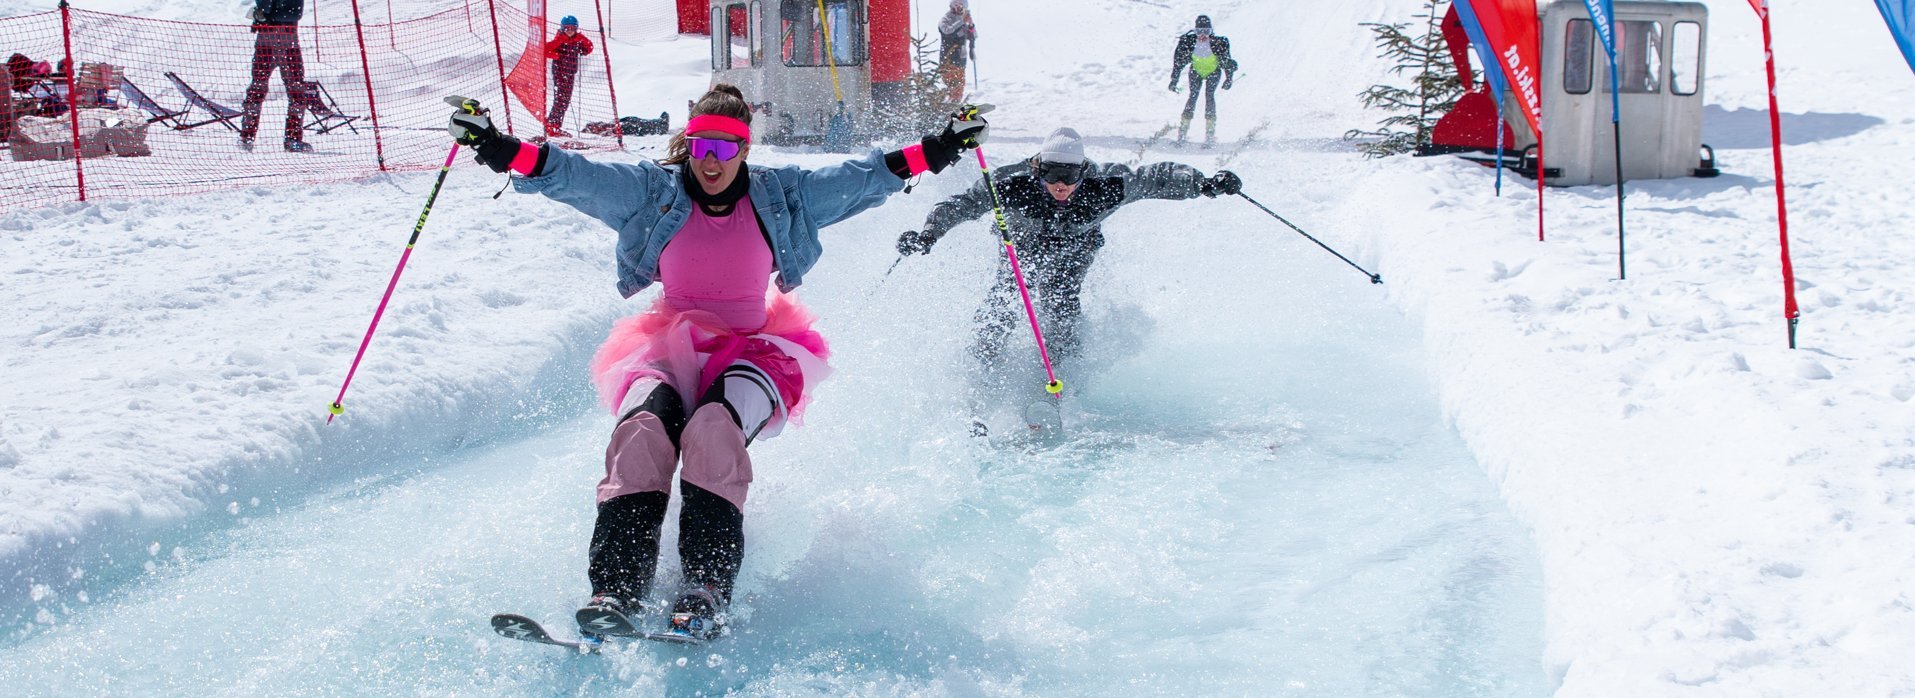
1897, 12
1492, 69
1602, 13
1492, 74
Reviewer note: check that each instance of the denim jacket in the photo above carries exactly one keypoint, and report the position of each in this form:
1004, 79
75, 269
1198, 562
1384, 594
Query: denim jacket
647, 204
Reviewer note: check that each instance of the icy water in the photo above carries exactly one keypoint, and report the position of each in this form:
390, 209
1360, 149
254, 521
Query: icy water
1258, 497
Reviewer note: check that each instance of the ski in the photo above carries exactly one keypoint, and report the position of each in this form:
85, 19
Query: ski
1045, 418
673, 638
606, 623
517, 627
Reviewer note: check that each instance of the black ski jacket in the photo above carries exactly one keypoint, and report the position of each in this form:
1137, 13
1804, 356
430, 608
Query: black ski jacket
280, 12
1187, 44
1045, 227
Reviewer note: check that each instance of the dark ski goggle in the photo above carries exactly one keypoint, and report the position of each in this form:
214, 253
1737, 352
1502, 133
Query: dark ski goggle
1060, 172
718, 147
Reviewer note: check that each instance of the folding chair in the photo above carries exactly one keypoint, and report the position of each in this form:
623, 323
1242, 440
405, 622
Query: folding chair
137, 97
220, 112
326, 116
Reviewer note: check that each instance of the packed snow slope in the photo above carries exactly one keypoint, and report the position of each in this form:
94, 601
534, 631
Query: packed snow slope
1715, 514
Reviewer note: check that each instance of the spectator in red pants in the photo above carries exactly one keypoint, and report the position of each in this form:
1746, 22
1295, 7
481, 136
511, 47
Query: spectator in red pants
276, 47
564, 51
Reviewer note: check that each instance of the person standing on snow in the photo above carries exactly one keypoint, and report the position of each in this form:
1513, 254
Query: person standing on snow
959, 48
1055, 205
276, 47
564, 51
722, 358
1207, 55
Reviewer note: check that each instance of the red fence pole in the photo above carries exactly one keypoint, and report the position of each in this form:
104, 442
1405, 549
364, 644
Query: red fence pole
72, 96
505, 98
372, 105
1789, 309
605, 51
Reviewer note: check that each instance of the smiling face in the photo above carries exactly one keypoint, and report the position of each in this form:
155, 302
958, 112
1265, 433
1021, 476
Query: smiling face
1060, 191
715, 175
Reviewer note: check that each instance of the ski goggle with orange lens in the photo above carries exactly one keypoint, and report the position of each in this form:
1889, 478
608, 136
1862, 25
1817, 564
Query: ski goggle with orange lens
716, 147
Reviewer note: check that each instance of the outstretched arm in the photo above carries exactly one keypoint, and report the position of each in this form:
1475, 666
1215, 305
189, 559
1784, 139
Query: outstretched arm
1163, 180
967, 205
837, 192
611, 192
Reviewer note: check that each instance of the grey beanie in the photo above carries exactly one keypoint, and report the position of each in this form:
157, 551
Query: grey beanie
1063, 146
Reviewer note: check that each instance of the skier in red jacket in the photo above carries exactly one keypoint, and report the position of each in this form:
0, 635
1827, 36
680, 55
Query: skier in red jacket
564, 51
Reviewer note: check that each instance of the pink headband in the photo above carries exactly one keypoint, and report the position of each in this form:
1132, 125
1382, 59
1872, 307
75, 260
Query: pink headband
721, 124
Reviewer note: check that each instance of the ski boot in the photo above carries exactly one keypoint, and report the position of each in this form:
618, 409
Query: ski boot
294, 145
246, 144
1210, 134
696, 616
608, 615
1183, 130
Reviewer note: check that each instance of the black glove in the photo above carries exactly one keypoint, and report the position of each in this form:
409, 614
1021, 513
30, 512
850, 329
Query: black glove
1173, 84
1226, 81
966, 130
472, 128
914, 242
1224, 183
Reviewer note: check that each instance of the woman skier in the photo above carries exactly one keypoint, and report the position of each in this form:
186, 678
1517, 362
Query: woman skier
722, 358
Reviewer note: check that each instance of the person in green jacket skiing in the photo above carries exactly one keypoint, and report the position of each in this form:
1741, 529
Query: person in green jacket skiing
1208, 56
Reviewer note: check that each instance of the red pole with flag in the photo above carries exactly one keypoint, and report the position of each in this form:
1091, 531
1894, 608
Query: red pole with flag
1789, 309
527, 78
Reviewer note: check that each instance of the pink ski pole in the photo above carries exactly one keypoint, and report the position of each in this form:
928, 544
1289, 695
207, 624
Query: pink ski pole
1052, 385
338, 406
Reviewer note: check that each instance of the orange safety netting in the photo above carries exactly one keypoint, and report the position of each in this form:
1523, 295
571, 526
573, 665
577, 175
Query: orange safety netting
162, 103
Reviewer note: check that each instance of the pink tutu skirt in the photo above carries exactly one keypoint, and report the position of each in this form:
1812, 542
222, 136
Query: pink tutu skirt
687, 349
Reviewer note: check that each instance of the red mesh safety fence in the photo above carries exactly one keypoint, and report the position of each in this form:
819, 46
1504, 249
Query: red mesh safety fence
162, 104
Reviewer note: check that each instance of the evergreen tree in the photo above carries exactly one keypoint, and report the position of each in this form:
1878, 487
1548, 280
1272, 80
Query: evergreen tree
1432, 92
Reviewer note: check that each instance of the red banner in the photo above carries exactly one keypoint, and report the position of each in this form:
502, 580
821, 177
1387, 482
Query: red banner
1513, 30
527, 79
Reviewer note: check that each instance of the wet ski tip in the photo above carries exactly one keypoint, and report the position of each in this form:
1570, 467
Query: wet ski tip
516, 627
1044, 418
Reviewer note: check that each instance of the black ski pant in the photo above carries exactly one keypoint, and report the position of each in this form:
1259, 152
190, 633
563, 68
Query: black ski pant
563, 77
1056, 279
711, 530
276, 47
1208, 85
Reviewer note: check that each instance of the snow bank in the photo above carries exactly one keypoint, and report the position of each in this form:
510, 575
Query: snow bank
1717, 514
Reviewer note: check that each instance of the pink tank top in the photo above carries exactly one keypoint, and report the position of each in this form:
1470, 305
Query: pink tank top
719, 264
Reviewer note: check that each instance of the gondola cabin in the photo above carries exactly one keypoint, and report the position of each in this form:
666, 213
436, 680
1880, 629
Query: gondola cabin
1660, 60
783, 55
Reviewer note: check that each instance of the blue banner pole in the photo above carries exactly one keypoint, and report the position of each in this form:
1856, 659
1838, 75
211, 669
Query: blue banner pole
1602, 14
